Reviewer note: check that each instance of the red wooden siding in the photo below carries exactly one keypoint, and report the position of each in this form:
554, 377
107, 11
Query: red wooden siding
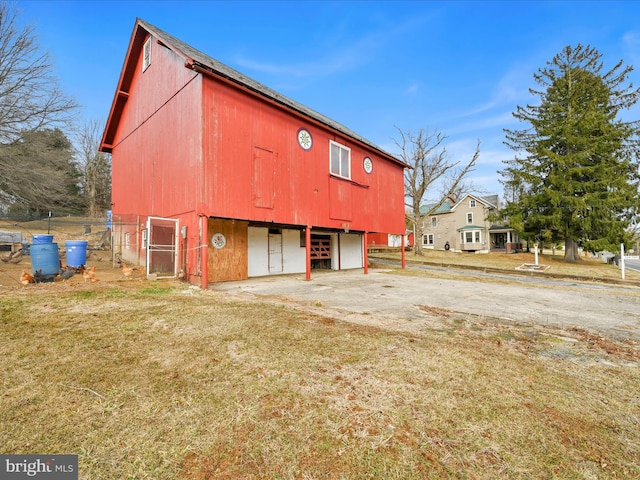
237, 126
157, 158
381, 239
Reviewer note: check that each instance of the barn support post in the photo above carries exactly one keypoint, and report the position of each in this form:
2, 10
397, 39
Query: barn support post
138, 242
366, 253
204, 252
404, 258
308, 252
339, 253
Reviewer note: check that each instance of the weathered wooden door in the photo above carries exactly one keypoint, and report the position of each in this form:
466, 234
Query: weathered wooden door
263, 184
228, 257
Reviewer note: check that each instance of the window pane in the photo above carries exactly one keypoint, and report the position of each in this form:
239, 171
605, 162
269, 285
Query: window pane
335, 159
345, 171
146, 61
477, 237
469, 237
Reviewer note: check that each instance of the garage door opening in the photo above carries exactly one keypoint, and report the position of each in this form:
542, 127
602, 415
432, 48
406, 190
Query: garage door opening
320, 252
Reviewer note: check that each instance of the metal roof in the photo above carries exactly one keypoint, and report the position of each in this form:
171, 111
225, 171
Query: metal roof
443, 207
218, 68
500, 229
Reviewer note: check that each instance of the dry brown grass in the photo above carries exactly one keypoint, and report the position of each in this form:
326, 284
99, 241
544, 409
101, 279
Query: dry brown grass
157, 380
162, 381
588, 268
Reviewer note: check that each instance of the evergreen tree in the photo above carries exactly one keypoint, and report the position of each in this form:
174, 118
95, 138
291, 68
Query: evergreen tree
44, 176
575, 174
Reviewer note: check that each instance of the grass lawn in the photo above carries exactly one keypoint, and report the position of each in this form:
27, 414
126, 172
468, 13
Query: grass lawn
588, 268
162, 381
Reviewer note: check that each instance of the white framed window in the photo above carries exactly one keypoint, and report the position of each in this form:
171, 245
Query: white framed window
145, 237
146, 54
434, 222
427, 239
340, 160
469, 218
471, 236
472, 203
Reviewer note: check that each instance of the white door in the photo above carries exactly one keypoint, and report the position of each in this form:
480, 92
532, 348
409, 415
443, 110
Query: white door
275, 253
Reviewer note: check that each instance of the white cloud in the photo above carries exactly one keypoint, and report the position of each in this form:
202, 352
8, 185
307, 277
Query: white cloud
305, 69
631, 39
497, 122
631, 47
477, 110
351, 54
511, 89
490, 156
413, 89
513, 86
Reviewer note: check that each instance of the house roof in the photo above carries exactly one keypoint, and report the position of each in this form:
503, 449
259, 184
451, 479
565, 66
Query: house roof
492, 199
470, 227
484, 200
500, 229
205, 64
443, 207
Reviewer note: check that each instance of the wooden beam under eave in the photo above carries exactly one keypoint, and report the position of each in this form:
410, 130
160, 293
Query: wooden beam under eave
114, 118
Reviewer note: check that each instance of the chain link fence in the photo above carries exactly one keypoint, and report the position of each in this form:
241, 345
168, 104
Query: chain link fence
96, 231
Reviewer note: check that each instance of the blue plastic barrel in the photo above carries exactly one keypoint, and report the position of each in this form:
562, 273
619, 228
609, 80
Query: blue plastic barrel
76, 253
45, 258
42, 238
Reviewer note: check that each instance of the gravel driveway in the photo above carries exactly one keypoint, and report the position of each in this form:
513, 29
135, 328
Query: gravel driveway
409, 303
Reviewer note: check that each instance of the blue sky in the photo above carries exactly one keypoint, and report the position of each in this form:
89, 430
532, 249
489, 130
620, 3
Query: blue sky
459, 67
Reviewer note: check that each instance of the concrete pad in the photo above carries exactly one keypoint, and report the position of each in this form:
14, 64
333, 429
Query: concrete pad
412, 304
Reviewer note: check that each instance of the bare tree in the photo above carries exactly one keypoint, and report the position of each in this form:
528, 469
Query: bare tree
96, 169
425, 153
32, 108
30, 98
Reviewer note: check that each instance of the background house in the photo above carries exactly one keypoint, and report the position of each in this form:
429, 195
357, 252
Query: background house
464, 226
217, 177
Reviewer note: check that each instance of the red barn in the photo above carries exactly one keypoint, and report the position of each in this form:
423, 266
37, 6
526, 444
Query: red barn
217, 177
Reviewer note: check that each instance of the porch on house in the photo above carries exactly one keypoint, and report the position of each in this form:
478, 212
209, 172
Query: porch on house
504, 239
